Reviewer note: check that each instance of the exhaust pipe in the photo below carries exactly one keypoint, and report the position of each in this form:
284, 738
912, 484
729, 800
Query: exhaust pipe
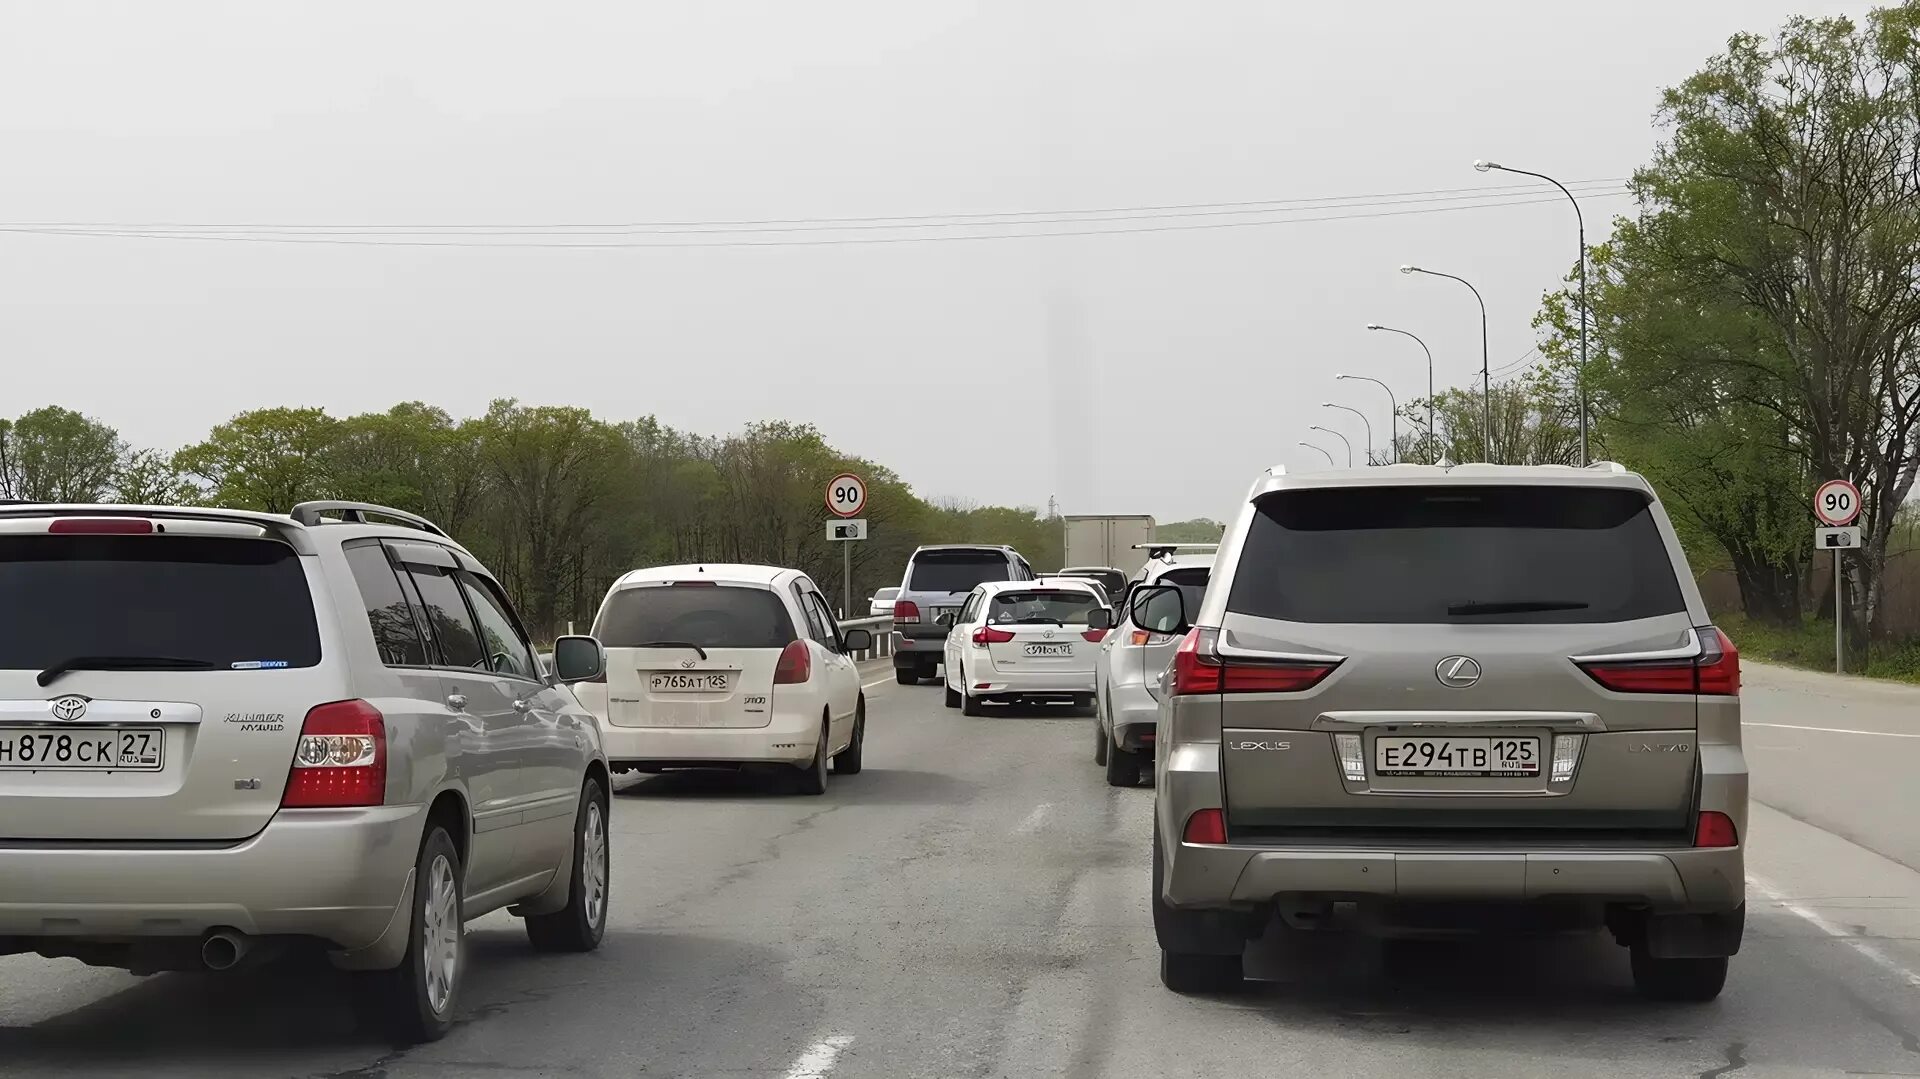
223, 949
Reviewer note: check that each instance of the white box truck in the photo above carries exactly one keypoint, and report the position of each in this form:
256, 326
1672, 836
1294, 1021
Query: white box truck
1108, 541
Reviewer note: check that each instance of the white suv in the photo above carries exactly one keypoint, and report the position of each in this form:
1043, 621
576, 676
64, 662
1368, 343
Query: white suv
724, 666
1029, 641
226, 734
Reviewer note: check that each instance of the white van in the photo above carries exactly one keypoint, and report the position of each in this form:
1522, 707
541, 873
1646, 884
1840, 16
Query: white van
727, 665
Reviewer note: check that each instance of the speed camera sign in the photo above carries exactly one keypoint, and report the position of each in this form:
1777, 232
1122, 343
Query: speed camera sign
847, 495
1836, 503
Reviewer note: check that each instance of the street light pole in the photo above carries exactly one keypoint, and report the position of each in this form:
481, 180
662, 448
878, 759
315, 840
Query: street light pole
1343, 442
1391, 403
1486, 375
1363, 419
1433, 449
1322, 452
1580, 375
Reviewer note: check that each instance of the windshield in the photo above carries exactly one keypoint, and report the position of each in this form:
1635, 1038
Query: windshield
1474, 555
225, 603
1050, 606
956, 571
707, 616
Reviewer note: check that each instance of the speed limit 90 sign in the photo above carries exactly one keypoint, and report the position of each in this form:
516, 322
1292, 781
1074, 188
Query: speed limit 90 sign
1836, 503
846, 495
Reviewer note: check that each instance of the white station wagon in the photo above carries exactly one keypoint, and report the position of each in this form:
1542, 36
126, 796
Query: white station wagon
713, 666
1025, 641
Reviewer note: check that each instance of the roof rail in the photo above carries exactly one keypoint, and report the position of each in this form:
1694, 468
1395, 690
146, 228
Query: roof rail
308, 513
1607, 466
1162, 550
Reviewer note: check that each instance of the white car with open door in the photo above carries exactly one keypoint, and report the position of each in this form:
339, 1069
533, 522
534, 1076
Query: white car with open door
728, 666
1025, 641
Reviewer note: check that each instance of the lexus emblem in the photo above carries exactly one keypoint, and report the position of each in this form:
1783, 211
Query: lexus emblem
68, 708
1457, 672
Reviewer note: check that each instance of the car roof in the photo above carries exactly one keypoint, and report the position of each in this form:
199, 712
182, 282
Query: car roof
1598, 474
998, 548
305, 536
726, 572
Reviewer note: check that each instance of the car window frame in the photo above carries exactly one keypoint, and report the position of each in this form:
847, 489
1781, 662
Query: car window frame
429, 648
494, 592
828, 622
811, 617
428, 556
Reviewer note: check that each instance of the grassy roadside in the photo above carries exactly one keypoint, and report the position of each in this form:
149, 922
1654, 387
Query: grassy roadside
1810, 646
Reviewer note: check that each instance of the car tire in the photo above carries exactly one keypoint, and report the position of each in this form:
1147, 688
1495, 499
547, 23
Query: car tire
1186, 972
847, 761
1689, 981
580, 925
813, 778
415, 1001
906, 676
969, 704
930, 670
1123, 766
1083, 703
1100, 741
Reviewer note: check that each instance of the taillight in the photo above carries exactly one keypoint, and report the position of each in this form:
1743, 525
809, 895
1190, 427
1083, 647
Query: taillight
1206, 826
101, 526
1716, 671
906, 612
340, 760
1715, 830
986, 635
1095, 635
1196, 669
795, 666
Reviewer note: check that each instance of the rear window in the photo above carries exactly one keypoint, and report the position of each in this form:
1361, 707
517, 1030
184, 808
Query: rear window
956, 571
1041, 605
711, 616
1464, 555
227, 602
1192, 584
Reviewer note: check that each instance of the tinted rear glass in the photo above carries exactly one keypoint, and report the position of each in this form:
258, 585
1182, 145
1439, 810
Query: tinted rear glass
1461, 555
711, 616
956, 571
1192, 584
1061, 606
222, 601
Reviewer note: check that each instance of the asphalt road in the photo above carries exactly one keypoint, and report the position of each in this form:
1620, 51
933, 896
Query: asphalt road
974, 904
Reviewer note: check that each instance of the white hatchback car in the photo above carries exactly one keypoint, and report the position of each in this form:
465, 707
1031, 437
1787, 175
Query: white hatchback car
713, 666
1024, 640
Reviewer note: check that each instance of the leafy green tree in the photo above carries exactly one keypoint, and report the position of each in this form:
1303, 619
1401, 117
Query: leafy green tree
149, 478
270, 459
54, 454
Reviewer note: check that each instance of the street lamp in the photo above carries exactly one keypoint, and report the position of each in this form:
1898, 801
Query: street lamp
1486, 376
1363, 419
1322, 452
1580, 376
1343, 441
1391, 403
1433, 454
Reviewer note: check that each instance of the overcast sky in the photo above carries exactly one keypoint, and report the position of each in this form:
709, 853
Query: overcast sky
1141, 372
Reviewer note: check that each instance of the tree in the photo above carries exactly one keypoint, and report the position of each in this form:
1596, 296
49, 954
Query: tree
270, 459
149, 478
1532, 424
54, 454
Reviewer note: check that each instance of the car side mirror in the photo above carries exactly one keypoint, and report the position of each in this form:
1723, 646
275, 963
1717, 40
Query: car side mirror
1159, 608
856, 640
1100, 618
578, 659
944, 619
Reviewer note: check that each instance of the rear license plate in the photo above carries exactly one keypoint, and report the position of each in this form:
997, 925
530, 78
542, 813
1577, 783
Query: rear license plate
1461, 757
703, 682
1049, 650
104, 749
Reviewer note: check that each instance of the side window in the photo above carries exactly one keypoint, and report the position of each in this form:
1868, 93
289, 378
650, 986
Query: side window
828, 624
507, 651
447, 613
1026, 571
972, 608
807, 611
389, 613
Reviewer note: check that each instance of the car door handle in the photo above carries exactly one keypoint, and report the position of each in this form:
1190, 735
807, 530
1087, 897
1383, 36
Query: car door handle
521, 706
457, 701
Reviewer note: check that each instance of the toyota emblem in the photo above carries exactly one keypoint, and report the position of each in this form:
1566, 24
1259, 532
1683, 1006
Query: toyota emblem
1457, 672
67, 709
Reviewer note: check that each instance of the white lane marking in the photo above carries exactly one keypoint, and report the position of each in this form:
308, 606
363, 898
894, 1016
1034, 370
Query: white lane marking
877, 682
819, 1058
1839, 932
1831, 730
1032, 822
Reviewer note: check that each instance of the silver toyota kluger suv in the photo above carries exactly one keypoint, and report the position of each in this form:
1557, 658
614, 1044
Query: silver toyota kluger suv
1431, 700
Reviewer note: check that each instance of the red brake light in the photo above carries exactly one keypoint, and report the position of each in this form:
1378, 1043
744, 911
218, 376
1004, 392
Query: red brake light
1206, 826
988, 635
101, 526
1715, 830
340, 759
1095, 635
1196, 669
795, 666
1716, 671
906, 611
695, 584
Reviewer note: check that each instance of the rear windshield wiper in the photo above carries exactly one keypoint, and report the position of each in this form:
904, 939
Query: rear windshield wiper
674, 644
122, 663
1516, 606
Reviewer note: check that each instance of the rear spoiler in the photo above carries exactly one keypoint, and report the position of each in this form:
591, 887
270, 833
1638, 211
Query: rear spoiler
283, 528
1162, 550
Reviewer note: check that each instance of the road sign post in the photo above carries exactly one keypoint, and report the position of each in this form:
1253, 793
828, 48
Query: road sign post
1836, 503
846, 497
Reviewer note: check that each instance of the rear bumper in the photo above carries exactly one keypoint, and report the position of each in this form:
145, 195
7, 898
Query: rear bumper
1134, 713
1011, 683
922, 648
788, 739
336, 874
